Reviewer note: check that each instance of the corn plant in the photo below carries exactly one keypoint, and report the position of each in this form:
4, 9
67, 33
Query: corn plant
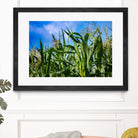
85, 56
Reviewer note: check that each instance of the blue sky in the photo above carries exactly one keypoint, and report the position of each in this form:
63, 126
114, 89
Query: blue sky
44, 29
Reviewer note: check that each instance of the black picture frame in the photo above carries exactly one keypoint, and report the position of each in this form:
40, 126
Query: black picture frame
17, 87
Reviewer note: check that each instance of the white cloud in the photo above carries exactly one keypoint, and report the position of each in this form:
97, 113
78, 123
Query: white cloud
51, 28
55, 27
45, 32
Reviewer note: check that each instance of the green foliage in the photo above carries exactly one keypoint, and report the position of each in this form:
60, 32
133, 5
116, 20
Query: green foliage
85, 56
1, 119
4, 86
3, 104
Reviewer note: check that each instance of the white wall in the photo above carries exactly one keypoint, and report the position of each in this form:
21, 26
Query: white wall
33, 114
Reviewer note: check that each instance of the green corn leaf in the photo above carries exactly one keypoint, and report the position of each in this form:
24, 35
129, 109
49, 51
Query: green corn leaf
80, 36
53, 37
48, 63
72, 37
42, 58
59, 51
70, 46
64, 42
78, 53
100, 52
41, 52
77, 34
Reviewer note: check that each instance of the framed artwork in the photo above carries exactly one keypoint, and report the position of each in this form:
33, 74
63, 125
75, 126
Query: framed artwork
70, 49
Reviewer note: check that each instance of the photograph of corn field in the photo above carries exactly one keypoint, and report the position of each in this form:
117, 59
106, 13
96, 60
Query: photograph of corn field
70, 48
